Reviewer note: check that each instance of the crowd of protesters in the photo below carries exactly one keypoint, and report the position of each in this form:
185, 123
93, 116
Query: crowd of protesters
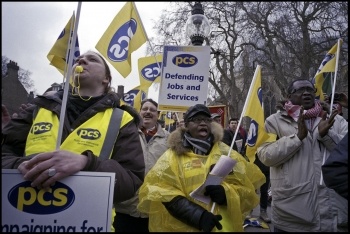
158, 168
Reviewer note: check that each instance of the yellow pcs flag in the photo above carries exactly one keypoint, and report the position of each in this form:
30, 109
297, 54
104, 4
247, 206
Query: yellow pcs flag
123, 36
58, 55
256, 134
149, 70
134, 97
322, 79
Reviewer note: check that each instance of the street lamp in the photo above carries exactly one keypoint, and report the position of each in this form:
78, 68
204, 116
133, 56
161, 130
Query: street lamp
197, 25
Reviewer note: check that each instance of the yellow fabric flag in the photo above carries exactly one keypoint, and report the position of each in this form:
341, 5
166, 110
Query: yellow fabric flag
166, 117
322, 79
134, 97
149, 70
256, 134
123, 36
59, 51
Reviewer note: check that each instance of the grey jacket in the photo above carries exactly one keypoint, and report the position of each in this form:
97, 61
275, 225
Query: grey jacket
152, 150
300, 199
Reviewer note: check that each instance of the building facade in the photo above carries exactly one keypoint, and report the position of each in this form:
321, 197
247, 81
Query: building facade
13, 93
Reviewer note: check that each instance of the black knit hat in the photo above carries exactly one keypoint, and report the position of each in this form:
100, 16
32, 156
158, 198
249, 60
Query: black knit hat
196, 109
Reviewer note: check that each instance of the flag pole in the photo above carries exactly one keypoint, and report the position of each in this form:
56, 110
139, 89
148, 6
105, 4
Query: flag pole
67, 52
240, 119
244, 108
68, 75
335, 75
332, 97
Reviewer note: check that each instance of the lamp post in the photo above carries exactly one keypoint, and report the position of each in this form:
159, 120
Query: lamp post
197, 25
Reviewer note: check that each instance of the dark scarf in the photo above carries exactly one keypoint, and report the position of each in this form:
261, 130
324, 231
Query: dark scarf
201, 147
76, 106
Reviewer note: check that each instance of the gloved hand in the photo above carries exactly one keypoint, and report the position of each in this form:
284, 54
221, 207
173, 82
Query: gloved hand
216, 193
208, 221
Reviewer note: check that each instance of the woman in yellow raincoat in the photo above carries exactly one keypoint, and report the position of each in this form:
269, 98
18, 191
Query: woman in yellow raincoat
193, 151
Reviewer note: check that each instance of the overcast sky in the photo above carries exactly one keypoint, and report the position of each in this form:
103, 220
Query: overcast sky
30, 29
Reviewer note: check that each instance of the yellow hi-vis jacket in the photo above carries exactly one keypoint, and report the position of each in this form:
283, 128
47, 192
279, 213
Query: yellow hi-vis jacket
97, 134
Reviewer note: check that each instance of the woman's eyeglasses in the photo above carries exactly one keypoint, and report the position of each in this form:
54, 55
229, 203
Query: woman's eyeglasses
199, 120
303, 90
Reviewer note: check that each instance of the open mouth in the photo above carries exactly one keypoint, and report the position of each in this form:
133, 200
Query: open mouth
147, 117
203, 132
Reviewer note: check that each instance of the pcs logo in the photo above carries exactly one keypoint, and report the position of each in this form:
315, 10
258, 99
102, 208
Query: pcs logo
89, 133
254, 127
41, 127
57, 198
129, 96
185, 60
151, 71
253, 133
119, 44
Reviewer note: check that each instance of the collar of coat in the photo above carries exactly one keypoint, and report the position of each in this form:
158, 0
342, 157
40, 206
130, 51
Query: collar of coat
175, 138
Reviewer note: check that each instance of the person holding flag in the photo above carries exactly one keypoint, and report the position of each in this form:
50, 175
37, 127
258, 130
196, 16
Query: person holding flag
193, 152
305, 136
99, 135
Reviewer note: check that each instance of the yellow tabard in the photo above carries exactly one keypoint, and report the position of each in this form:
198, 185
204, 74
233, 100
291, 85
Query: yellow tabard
90, 135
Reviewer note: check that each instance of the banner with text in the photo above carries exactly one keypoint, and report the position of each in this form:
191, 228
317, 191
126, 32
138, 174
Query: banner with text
78, 203
184, 77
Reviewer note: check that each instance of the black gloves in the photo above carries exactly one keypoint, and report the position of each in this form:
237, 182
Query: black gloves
209, 221
216, 193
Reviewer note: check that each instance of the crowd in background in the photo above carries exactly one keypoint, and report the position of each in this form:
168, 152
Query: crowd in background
158, 167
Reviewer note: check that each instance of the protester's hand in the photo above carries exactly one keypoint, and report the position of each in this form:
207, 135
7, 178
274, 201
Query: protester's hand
216, 193
208, 221
325, 124
24, 106
5, 116
326, 98
302, 129
343, 101
325, 106
40, 171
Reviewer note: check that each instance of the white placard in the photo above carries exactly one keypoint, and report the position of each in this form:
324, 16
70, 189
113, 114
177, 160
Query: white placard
78, 203
221, 169
184, 77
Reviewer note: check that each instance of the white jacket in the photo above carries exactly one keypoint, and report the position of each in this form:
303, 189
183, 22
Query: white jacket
300, 199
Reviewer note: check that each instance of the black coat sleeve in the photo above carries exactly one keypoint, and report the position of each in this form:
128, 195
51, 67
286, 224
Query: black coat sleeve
335, 169
227, 139
185, 211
